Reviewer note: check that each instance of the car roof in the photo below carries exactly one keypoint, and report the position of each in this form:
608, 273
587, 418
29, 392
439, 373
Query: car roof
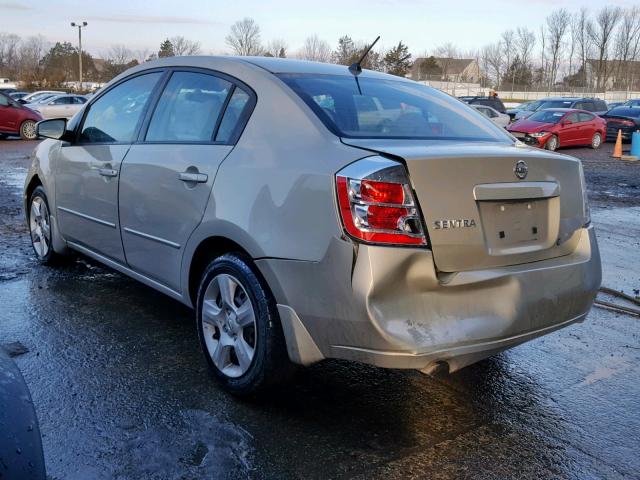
269, 64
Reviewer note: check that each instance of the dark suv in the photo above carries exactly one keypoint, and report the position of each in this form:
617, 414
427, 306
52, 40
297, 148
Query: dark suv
493, 102
593, 105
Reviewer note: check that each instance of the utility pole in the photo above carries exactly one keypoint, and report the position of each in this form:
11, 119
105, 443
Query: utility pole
80, 25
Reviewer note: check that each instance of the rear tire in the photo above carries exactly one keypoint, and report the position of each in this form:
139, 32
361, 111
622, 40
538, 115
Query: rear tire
28, 130
239, 327
596, 141
552, 144
39, 222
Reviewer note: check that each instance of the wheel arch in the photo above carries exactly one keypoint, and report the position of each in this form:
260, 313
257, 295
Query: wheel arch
207, 248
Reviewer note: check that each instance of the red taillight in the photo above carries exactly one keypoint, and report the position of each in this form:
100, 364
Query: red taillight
376, 211
381, 192
626, 123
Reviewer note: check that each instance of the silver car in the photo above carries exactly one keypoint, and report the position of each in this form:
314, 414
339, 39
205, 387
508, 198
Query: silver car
306, 212
59, 106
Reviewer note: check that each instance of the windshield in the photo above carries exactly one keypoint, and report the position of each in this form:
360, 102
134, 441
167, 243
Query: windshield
556, 104
546, 117
390, 109
531, 107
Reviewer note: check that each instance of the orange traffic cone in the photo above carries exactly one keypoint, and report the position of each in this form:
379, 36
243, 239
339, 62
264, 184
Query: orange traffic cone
617, 150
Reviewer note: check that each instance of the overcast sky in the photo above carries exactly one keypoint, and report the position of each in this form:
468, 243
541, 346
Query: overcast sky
144, 24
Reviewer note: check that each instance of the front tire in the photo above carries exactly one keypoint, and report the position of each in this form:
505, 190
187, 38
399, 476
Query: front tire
28, 130
552, 144
39, 220
596, 141
239, 327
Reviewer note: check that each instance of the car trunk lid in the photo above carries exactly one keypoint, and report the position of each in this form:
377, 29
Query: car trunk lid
478, 212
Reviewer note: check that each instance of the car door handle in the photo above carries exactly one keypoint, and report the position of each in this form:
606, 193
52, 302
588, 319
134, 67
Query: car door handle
192, 177
108, 172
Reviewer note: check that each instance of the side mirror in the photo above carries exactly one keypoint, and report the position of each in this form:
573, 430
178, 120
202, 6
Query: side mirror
54, 128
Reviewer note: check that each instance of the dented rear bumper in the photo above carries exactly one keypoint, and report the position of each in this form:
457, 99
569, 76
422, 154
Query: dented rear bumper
390, 307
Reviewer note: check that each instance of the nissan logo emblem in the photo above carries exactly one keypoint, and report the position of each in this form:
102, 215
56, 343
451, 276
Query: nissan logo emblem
521, 169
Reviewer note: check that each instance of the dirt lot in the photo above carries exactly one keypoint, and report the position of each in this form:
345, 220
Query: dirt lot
121, 389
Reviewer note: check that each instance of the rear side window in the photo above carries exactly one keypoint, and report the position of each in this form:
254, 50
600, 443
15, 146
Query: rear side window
601, 106
233, 116
381, 108
114, 117
189, 108
584, 117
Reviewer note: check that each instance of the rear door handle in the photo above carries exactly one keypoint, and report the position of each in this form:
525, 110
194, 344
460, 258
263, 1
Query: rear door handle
191, 177
108, 172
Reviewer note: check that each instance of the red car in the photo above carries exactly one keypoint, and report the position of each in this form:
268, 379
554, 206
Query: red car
560, 127
16, 119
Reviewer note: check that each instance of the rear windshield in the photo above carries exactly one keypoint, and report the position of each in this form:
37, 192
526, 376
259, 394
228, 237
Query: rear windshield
625, 112
382, 108
546, 117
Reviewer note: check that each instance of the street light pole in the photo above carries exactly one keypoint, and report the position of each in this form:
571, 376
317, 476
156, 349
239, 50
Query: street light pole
79, 25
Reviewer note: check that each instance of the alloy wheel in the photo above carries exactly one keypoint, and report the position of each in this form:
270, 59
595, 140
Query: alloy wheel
229, 325
29, 130
596, 141
40, 227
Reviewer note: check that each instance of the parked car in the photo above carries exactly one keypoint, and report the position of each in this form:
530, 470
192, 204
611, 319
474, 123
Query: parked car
60, 106
44, 98
246, 188
18, 95
594, 105
524, 110
493, 102
560, 127
625, 119
629, 103
16, 119
34, 96
500, 119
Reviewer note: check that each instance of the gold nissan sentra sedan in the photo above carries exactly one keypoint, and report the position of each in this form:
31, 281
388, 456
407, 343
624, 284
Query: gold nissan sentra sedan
307, 212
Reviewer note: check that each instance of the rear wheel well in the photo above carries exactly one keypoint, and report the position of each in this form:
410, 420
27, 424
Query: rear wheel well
205, 253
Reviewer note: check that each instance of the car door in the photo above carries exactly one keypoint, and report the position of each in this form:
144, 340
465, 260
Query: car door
87, 170
569, 126
168, 174
9, 115
587, 127
56, 108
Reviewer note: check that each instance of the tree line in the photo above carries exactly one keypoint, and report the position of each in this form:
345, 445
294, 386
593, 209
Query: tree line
580, 49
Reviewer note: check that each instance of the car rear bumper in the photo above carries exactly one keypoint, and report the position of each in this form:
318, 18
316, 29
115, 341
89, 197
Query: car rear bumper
390, 307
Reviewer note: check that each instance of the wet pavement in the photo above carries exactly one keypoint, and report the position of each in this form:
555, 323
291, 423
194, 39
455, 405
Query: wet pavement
121, 389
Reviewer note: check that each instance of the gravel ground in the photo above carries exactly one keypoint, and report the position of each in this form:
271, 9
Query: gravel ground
121, 389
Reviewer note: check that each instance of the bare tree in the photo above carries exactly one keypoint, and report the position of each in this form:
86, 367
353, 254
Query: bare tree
492, 60
315, 49
119, 55
446, 53
183, 46
9, 43
581, 26
601, 33
244, 37
507, 45
627, 46
525, 43
30, 54
557, 24
276, 47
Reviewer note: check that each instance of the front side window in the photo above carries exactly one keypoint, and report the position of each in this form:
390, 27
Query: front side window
114, 117
380, 108
62, 101
189, 108
571, 118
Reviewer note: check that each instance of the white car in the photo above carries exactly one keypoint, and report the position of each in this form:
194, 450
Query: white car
60, 106
39, 95
500, 119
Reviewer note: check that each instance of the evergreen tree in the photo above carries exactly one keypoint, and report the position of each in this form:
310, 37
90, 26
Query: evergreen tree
396, 61
166, 49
